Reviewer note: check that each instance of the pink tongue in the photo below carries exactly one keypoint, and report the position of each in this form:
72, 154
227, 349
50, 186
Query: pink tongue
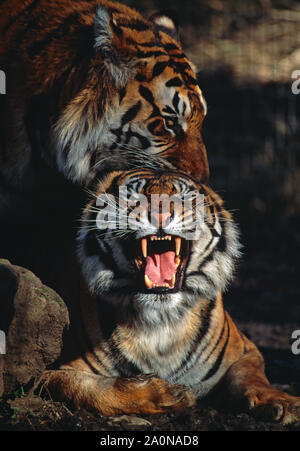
160, 268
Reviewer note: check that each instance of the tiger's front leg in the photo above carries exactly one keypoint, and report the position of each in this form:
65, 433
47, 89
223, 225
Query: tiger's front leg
248, 384
111, 396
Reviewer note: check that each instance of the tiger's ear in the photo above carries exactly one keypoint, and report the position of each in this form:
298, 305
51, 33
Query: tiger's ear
119, 69
166, 21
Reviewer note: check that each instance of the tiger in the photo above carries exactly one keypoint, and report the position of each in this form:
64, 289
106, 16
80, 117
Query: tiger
152, 334
92, 86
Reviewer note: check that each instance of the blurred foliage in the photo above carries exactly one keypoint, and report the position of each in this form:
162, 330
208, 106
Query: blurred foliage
245, 52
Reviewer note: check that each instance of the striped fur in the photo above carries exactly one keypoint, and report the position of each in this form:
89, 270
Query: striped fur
146, 352
93, 86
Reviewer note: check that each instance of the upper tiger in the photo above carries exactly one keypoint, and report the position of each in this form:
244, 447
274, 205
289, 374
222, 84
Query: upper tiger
93, 86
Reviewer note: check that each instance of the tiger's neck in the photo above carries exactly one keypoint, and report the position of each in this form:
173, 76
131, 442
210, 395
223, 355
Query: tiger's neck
146, 343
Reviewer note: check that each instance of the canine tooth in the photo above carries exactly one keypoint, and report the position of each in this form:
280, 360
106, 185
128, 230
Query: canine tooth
177, 245
177, 262
144, 247
148, 282
173, 280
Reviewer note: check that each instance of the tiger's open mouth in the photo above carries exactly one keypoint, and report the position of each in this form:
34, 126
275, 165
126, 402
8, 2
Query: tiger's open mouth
161, 262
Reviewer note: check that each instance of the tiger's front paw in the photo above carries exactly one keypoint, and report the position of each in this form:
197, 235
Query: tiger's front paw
148, 394
273, 405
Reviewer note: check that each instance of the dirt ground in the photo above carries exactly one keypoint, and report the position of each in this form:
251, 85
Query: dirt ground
264, 301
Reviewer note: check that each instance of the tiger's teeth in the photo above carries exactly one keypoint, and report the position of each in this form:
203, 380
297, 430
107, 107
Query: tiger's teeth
177, 262
148, 282
177, 246
144, 247
173, 280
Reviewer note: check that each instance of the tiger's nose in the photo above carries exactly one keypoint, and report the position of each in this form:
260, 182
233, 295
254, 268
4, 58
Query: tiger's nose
160, 219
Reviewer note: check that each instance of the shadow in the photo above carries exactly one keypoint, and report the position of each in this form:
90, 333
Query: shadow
252, 134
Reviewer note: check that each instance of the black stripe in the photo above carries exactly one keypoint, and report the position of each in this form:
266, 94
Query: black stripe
146, 94
152, 126
159, 68
118, 134
141, 78
121, 363
205, 276
179, 55
122, 94
205, 250
219, 360
117, 30
137, 25
169, 110
171, 47
174, 82
93, 159
156, 53
205, 326
92, 248
217, 343
131, 113
175, 101
150, 44
89, 344
145, 143
191, 80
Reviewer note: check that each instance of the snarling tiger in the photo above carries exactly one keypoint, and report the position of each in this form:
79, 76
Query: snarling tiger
154, 334
93, 86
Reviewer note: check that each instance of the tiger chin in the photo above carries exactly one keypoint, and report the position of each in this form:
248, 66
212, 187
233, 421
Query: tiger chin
152, 334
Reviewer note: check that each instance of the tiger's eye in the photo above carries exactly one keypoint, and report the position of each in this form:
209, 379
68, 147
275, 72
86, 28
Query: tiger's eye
171, 122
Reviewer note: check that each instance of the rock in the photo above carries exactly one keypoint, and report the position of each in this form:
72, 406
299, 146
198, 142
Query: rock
128, 421
33, 318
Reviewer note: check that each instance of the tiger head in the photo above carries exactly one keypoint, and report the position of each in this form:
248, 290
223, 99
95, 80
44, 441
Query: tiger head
159, 236
141, 104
